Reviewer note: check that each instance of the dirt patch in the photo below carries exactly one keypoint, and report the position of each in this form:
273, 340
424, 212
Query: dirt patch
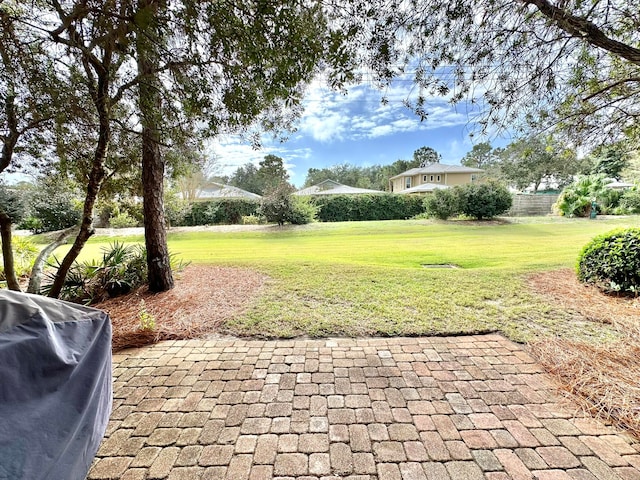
204, 296
601, 378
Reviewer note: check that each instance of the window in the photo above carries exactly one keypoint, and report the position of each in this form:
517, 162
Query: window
474, 177
424, 178
438, 178
431, 178
407, 183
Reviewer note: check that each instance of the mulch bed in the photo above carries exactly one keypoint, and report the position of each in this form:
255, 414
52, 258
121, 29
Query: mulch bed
603, 379
203, 297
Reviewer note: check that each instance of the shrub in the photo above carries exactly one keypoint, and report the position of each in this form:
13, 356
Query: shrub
303, 210
176, 209
611, 261
349, 208
123, 220
441, 204
251, 220
483, 200
225, 210
24, 254
30, 223
121, 269
55, 209
133, 208
279, 206
104, 210
630, 201
576, 199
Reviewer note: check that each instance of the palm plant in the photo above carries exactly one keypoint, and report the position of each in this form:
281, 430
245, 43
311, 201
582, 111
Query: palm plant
577, 198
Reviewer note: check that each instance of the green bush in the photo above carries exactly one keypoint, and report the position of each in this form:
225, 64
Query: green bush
282, 207
176, 209
104, 210
24, 254
303, 210
630, 201
351, 208
30, 223
121, 269
55, 210
483, 200
133, 208
441, 204
226, 211
576, 199
123, 220
252, 220
611, 261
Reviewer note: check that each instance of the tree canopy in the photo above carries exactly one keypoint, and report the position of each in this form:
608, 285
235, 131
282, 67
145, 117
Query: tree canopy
482, 155
426, 155
539, 63
533, 160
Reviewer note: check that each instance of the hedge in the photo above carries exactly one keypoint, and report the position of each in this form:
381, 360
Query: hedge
225, 210
353, 208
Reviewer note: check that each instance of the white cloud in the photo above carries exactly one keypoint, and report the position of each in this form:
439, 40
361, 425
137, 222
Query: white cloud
231, 152
331, 116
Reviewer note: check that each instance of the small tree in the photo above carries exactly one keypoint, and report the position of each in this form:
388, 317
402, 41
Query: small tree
281, 207
276, 206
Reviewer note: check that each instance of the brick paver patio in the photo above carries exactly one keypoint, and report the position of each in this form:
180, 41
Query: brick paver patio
473, 407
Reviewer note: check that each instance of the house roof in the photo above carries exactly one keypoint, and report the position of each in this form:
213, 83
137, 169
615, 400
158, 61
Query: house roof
218, 190
438, 168
424, 188
619, 185
331, 187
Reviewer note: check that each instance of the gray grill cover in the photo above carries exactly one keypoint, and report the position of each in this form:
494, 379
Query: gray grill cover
55, 387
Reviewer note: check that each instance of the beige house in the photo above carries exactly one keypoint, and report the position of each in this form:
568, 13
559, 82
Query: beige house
432, 177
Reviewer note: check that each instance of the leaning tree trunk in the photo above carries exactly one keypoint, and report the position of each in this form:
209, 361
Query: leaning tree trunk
7, 253
150, 104
96, 177
35, 279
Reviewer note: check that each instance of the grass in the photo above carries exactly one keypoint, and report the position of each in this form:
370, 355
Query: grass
368, 278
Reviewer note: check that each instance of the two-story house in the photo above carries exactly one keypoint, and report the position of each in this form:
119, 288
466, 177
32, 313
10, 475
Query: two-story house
426, 179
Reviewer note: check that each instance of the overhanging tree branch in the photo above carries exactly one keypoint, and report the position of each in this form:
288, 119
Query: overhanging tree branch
585, 30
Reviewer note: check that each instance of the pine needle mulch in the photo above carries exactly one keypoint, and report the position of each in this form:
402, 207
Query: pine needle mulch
604, 379
203, 297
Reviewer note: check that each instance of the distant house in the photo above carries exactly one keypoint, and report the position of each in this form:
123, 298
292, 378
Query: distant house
426, 179
619, 185
331, 187
218, 190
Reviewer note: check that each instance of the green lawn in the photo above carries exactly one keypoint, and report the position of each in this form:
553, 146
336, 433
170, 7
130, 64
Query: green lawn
368, 278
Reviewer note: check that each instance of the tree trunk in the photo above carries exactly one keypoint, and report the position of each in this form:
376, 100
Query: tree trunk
35, 279
150, 104
7, 253
96, 177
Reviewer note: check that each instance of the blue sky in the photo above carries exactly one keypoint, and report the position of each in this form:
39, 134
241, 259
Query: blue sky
356, 128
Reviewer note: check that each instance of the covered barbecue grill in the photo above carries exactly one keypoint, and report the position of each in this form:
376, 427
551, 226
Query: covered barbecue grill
55, 386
